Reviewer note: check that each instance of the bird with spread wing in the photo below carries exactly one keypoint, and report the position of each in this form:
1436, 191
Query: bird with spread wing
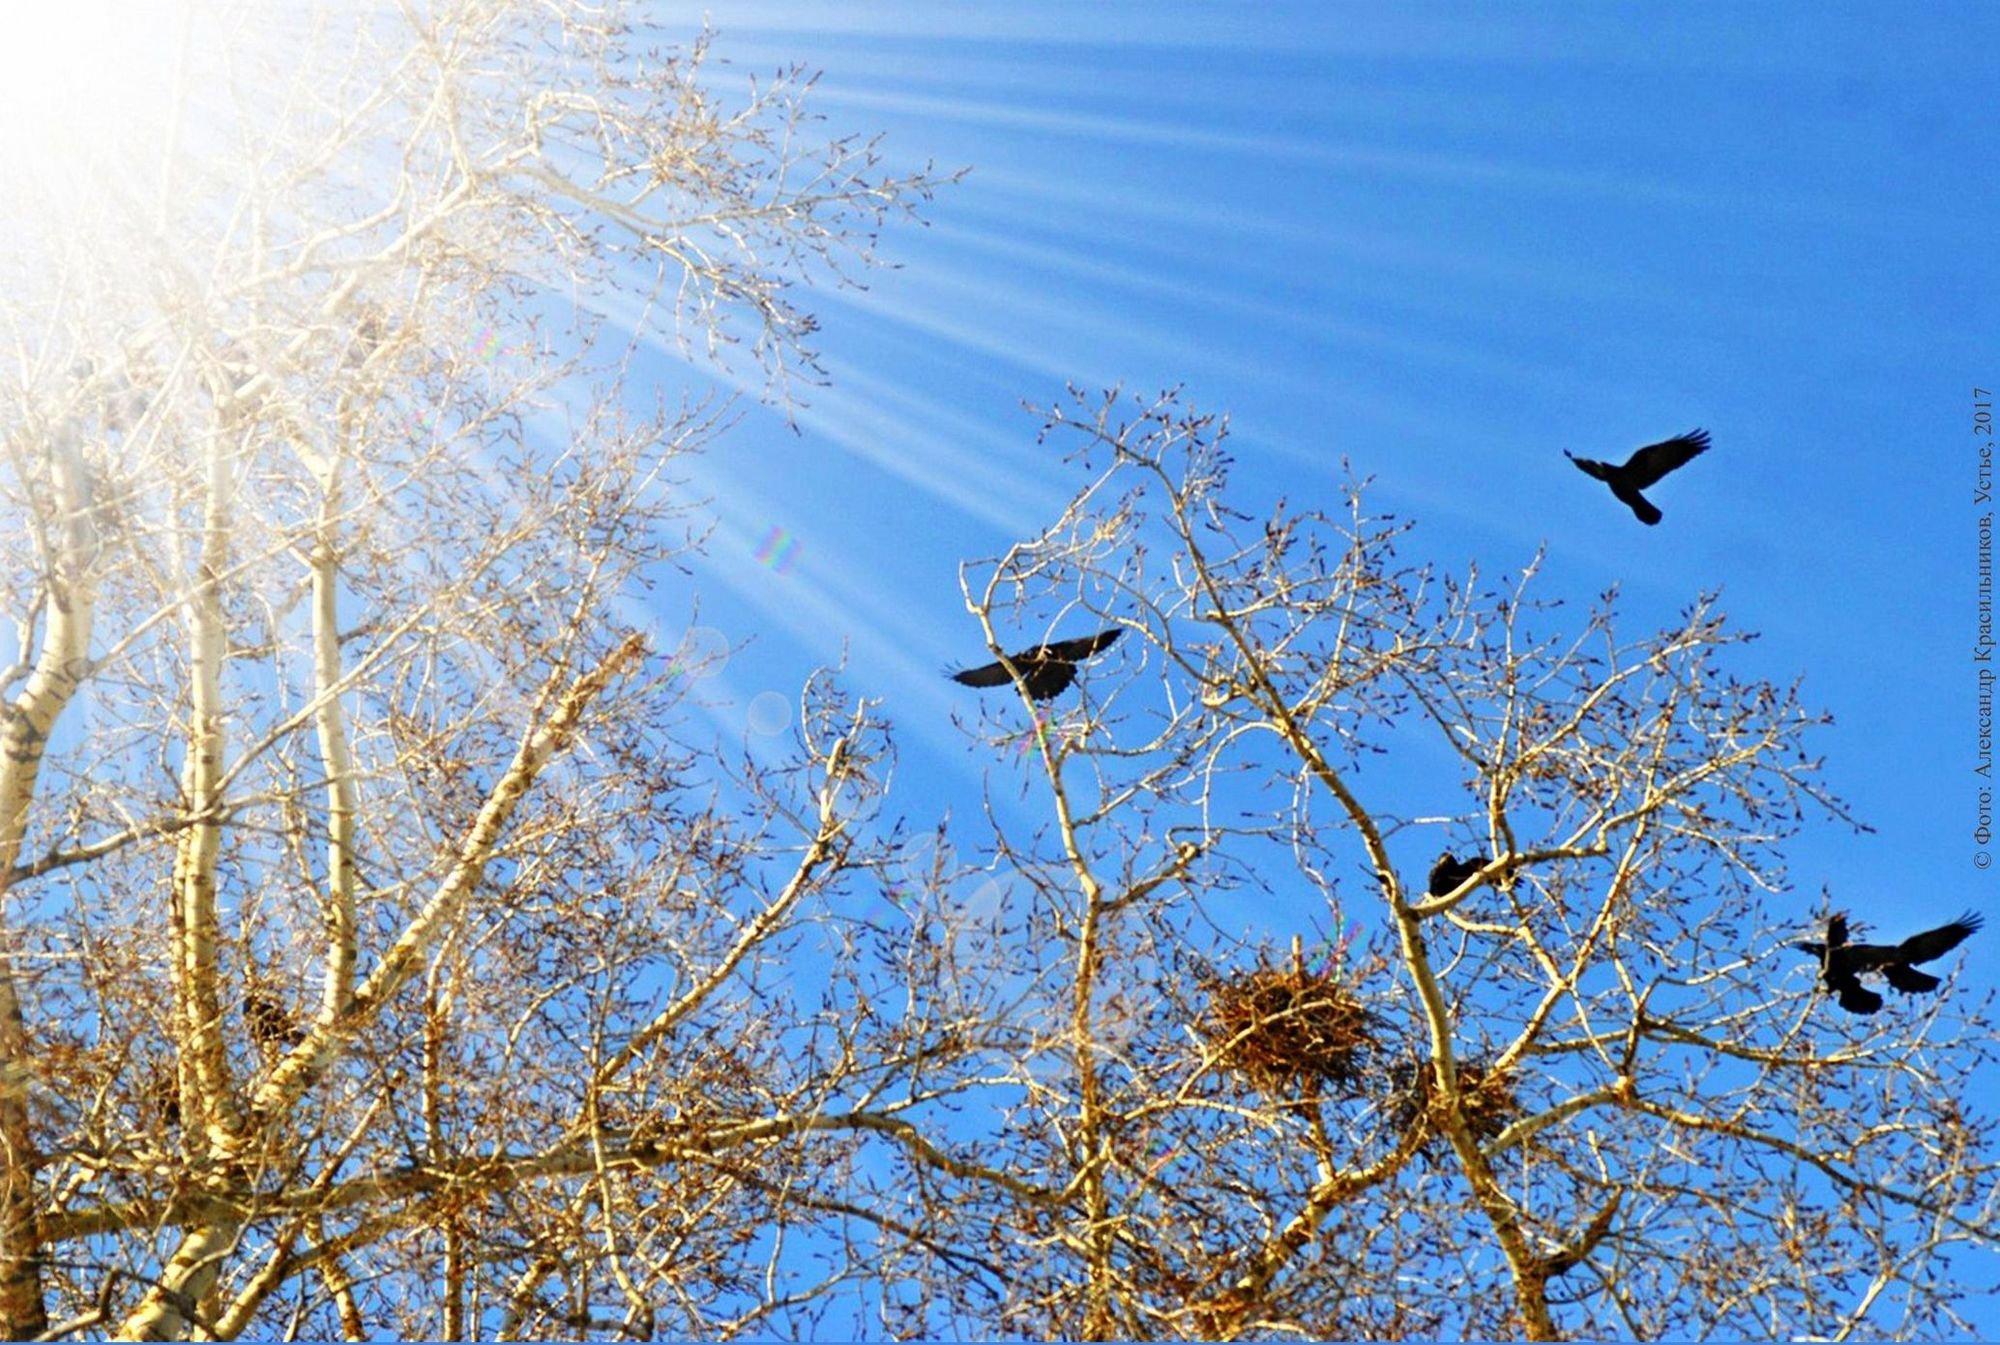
1843, 963
1046, 670
1644, 468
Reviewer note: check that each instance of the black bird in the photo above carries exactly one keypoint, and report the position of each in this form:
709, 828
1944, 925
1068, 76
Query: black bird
1842, 963
269, 1022
1644, 468
161, 1093
1046, 670
368, 335
1448, 873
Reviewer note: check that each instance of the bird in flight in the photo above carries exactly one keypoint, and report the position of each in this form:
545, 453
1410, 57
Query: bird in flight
1842, 963
1046, 670
1448, 873
1644, 468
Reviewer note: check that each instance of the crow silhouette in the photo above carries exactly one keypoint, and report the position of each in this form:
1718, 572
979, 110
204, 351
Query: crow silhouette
161, 1093
269, 1022
1843, 963
1448, 873
1644, 468
1046, 670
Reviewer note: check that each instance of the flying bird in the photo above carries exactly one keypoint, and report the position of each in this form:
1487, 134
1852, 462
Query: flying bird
1644, 468
1046, 670
1448, 873
1842, 963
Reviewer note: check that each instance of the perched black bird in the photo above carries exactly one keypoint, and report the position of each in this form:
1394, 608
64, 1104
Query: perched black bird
269, 1021
1448, 873
1046, 670
1644, 468
1842, 963
112, 395
368, 335
161, 1094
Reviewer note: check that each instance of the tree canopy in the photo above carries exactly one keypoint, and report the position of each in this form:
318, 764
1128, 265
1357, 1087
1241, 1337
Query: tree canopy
384, 950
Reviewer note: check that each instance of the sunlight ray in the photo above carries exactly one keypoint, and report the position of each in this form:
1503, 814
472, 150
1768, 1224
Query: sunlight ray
836, 598
871, 426
1312, 323
1116, 27
1064, 354
951, 455
1427, 165
1020, 199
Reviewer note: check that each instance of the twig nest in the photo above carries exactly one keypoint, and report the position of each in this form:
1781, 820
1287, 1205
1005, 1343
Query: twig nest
1288, 1028
1485, 1095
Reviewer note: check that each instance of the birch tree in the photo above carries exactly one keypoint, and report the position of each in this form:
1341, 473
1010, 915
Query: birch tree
381, 954
373, 961
1582, 1088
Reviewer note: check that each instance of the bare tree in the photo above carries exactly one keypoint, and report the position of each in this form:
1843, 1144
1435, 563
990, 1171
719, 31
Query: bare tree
373, 960
380, 955
1587, 1089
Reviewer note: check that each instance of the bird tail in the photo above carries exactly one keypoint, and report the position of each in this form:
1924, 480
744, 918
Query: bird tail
1641, 506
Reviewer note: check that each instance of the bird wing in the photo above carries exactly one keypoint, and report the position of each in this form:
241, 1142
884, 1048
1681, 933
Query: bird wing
1836, 930
1448, 872
1654, 461
1071, 651
1909, 980
1444, 876
990, 675
1937, 942
1589, 466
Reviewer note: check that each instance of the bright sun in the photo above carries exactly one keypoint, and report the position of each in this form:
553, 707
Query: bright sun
80, 82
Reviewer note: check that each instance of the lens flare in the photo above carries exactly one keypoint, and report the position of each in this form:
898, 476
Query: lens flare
778, 551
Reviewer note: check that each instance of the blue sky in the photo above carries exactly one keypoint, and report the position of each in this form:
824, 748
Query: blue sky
1447, 247
1446, 244
1443, 243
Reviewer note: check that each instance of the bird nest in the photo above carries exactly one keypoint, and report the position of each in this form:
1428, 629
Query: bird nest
1485, 1096
1286, 1028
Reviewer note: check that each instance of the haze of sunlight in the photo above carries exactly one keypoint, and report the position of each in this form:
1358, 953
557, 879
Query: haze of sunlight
82, 84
